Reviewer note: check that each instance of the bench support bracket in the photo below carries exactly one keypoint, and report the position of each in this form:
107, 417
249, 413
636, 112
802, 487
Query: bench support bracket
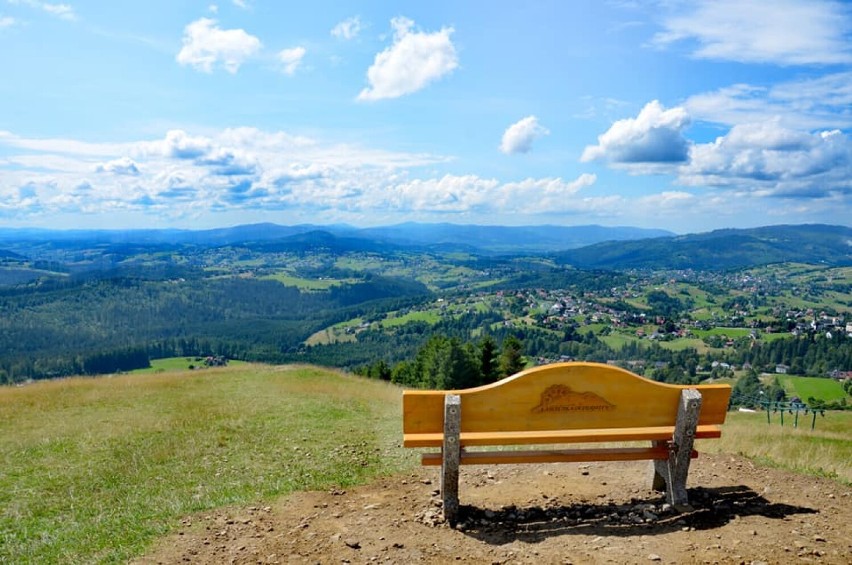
671, 474
451, 455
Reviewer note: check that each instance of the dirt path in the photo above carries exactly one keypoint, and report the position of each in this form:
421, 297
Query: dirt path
582, 513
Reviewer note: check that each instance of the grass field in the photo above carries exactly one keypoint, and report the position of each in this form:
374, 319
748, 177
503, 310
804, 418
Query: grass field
618, 340
819, 388
728, 332
93, 470
308, 284
176, 364
826, 450
685, 343
330, 335
428, 316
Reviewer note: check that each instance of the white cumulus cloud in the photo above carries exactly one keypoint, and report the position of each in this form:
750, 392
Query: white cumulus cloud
772, 160
7, 21
291, 59
414, 60
179, 145
654, 136
518, 137
205, 44
347, 29
546, 195
450, 193
121, 166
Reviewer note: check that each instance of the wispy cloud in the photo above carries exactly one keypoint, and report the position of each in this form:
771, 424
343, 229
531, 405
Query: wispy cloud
518, 137
205, 44
785, 32
182, 176
821, 102
414, 60
250, 169
347, 29
62, 11
291, 59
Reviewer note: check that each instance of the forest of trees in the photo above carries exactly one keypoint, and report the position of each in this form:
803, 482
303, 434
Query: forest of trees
447, 363
103, 321
68, 328
450, 362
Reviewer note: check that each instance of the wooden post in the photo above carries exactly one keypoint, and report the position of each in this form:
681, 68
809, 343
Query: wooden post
451, 453
681, 452
659, 470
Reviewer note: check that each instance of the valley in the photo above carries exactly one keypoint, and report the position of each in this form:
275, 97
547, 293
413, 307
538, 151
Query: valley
106, 302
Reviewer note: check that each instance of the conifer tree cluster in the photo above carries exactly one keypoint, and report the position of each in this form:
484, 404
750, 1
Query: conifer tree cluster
448, 363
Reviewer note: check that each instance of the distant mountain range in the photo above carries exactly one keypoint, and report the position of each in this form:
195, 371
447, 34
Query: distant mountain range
481, 239
588, 247
508, 239
720, 249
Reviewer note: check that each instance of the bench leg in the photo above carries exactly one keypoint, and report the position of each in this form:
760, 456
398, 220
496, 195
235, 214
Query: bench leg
451, 454
670, 475
659, 470
680, 455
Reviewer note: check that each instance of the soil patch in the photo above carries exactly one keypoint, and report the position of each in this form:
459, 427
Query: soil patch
566, 513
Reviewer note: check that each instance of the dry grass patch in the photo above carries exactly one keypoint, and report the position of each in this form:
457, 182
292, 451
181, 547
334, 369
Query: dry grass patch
826, 450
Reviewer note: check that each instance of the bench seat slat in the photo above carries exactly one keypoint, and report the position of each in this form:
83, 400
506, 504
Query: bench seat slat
659, 433
555, 456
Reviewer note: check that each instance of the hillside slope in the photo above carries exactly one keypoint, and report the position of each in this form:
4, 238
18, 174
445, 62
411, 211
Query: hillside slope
721, 249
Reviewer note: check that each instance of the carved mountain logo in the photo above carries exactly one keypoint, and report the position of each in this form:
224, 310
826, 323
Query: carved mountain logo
561, 398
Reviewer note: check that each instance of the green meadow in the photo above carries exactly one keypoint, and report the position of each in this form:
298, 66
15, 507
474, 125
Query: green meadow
309, 285
178, 364
732, 333
93, 470
825, 451
428, 316
816, 387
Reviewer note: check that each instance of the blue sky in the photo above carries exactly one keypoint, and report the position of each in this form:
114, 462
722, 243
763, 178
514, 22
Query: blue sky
687, 116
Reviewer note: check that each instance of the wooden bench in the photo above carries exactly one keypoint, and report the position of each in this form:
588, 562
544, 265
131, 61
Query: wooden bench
565, 403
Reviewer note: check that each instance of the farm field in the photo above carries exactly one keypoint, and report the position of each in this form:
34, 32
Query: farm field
177, 364
819, 388
307, 284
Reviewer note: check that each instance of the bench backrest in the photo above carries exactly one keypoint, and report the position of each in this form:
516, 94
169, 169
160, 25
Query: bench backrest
562, 396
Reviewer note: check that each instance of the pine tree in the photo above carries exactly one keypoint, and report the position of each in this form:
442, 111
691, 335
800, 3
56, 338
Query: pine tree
511, 359
488, 362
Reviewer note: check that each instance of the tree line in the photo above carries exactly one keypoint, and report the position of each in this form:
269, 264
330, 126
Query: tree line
448, 363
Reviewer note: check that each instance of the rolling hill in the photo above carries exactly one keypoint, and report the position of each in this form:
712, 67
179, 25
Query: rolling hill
720, 250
